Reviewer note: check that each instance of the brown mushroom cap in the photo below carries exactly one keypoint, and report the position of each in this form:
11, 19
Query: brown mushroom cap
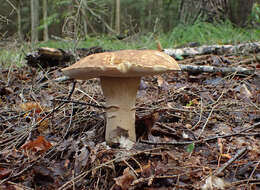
123, 63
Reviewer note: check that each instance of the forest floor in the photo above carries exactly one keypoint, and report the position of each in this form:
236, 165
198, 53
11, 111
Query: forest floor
195, 131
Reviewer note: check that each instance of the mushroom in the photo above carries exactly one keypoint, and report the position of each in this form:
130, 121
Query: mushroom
120, 73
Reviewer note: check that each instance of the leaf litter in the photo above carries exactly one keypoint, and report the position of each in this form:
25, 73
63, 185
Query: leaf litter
195, 131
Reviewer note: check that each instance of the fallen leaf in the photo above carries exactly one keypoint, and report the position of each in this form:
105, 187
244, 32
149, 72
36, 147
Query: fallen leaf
4, 172
81, 158
29, 106
126, 179
162, 83
43, 126
40, 145
213, 182
244, 92
226, 156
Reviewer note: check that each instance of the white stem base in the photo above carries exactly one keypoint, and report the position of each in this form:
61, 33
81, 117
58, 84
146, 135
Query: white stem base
120, 96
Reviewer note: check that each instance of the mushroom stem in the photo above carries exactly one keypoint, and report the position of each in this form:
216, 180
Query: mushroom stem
120, 96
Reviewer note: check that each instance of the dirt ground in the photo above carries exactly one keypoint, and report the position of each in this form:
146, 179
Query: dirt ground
195, 131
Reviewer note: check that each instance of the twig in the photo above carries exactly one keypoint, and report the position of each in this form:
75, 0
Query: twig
58, 107
251, 181
211, 111
99, 18
69, 96
201, 112
205, 124
202, 140
82, 175
230, 161
72, 89
136, 174
168, 143
62, 79
251, 175
20, 185
66, 129
15, 116
78, 102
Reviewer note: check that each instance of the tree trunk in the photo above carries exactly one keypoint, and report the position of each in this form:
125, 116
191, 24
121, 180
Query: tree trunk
202, 10
84, 18
189, 11
16, 5
117, 27
19, 21
239, 10
34, 20
45, 17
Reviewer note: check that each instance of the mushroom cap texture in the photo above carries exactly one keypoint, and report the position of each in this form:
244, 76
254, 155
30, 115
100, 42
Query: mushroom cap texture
123, 63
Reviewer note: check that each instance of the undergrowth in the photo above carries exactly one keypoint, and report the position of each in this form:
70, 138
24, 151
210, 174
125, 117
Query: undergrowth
181, 35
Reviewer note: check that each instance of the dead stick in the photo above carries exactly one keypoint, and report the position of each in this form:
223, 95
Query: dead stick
212, 69
82, 175
202, 140
230, 161
251, 181
78, 102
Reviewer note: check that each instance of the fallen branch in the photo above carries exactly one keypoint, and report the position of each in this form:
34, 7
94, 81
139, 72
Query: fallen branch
214, 49
212, 69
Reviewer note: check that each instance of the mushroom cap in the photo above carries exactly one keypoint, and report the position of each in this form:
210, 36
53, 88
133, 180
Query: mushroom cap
123, 63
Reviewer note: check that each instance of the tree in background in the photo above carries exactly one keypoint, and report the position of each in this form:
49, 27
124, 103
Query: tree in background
239, 11
16, 5
80, 18
45, 17
34, 20
117, 26
202, 10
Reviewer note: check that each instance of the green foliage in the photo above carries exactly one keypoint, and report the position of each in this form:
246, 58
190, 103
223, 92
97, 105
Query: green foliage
11, 56
204, 33
208, 33
255, 14
50, 20
106, 42
190, 147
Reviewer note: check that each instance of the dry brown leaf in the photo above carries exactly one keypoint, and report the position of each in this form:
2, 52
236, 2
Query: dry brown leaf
126, 179
244, 92
43, 126
226, 156
40, 145
144, 168
195, 102
29, 106
160, 81
4, 172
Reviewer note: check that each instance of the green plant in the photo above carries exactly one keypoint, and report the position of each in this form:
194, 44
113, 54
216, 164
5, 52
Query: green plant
190, 148
255, 15
208, 33
9, 57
